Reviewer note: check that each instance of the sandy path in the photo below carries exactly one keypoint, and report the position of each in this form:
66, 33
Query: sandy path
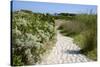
65, 51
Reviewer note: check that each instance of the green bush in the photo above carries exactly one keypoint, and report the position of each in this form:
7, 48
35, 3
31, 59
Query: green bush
31, 34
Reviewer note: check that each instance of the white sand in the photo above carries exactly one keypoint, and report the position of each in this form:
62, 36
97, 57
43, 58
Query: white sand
65, 51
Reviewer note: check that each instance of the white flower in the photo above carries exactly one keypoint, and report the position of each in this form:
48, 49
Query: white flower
22, 22
16, 31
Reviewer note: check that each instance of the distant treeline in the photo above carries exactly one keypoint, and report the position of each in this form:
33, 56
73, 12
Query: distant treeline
64, 14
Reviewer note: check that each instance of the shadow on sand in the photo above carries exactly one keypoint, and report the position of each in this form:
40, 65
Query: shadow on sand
72, 51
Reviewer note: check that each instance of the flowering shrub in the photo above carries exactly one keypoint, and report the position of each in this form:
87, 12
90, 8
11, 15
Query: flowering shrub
32, 35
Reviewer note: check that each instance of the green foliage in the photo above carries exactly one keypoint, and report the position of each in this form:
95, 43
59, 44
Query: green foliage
31, 34
17, 60
92, 54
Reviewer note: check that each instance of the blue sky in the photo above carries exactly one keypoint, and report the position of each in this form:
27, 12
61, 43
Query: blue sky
44, 7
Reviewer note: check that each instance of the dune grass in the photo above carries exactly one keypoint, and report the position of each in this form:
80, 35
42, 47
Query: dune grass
83, 28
